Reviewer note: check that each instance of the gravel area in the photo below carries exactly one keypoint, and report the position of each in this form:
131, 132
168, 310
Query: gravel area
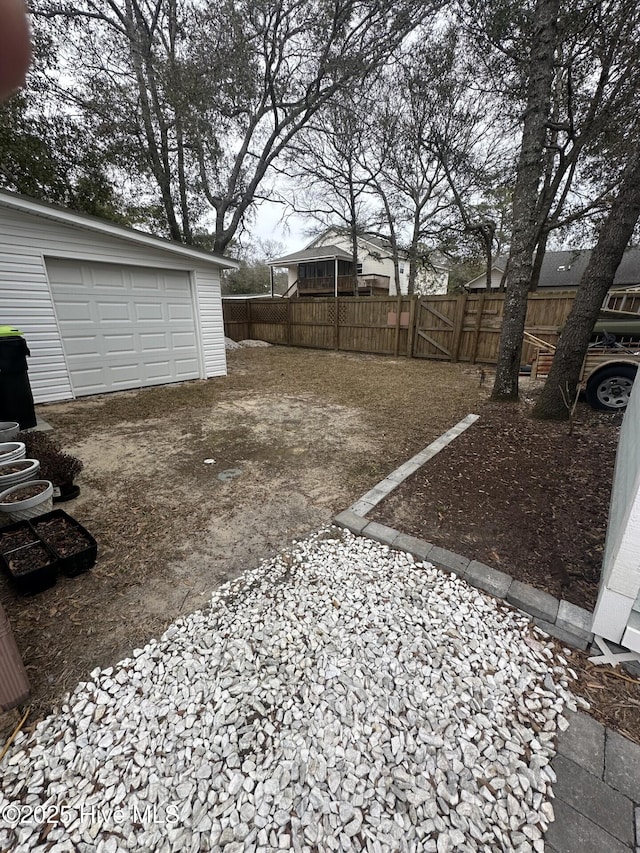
338, 697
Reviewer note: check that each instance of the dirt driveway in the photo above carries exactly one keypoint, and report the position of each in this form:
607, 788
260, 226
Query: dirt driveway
295, 436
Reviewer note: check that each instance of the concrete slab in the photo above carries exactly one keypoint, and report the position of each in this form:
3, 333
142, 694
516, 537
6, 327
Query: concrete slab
594, 799
417, 547
572, 832
583, 742
380, 533
41, 426
448, 560
487, 579
352, 521
622, 765
533, 601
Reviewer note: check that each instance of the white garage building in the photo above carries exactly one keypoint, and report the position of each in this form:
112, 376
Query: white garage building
103, 307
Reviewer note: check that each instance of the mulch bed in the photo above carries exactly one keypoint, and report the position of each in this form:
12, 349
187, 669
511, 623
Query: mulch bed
521, 495
530, 498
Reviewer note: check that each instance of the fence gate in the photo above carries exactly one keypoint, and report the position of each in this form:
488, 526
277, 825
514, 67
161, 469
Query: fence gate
437, 319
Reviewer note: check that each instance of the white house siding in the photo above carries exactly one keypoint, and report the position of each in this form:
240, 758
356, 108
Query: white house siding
616, 617
27, 239
371, 265
209, 305
480, 282
25, 302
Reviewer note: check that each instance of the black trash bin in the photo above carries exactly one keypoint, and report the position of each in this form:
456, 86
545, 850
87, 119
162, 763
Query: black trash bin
16, 399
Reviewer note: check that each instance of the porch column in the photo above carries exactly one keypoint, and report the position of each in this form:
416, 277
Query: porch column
336, 277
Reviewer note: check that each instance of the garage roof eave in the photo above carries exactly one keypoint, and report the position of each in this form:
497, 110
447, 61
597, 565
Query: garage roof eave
23, 203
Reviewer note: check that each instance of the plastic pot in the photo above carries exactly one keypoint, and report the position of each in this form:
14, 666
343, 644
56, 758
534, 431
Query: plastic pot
30, 472
29, 507
10, 450
9, 430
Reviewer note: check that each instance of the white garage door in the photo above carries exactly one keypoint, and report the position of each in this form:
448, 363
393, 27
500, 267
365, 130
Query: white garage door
122, 326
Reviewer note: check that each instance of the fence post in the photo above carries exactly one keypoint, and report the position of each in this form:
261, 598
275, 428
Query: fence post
249, 318
476, 331
413, 322
336, 324
396, 345
288, 321
459, 323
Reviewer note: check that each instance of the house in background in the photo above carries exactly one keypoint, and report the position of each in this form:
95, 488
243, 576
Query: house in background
564, 270
324, 267
103, 307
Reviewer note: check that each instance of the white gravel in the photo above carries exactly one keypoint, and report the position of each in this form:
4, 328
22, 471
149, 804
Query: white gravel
339, 697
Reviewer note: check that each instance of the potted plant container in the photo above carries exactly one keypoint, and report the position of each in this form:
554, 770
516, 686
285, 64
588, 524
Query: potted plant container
16, 535
27, 500
73, 545
17, 471
11, 450
32, 568
9, 430
55, 465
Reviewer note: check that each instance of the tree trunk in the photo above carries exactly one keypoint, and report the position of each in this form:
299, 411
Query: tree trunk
487, 238
525, 197
596, 281
537, 263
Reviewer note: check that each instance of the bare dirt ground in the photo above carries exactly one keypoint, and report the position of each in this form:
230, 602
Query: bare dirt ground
296, 436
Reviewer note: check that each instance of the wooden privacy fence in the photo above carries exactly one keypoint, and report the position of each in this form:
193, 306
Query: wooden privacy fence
462, 327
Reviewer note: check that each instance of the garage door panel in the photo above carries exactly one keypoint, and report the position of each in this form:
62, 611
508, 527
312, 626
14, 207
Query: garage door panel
178, 311
153, 341
108, 276
123, 330
151, 281
119, 344
181, 340
70, 312
149, 312
113, 312
92, 379
185, 367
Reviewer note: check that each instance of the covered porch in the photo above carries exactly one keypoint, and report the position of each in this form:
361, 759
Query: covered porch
328, 271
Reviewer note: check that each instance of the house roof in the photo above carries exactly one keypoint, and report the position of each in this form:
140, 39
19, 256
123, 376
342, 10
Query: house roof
382, 243
14, 201
379, 241
316, 253
564, 269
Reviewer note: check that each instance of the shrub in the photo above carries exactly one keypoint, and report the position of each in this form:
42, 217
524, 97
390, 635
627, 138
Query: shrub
55, 465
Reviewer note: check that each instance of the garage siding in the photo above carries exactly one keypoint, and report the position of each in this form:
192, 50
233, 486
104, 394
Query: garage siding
25, 302
27, 239
211, 322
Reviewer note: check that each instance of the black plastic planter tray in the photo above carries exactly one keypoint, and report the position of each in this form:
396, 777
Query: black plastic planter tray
29, 583
7, 535
70, 564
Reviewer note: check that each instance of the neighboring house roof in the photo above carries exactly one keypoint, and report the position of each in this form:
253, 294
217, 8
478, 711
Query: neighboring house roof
378, 241
317, 253
564, 269
104, 226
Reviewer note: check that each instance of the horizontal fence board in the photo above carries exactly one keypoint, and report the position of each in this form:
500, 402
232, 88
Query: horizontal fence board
445, 327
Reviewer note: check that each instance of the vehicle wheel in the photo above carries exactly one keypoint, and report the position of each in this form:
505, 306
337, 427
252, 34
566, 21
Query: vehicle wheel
610, 388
